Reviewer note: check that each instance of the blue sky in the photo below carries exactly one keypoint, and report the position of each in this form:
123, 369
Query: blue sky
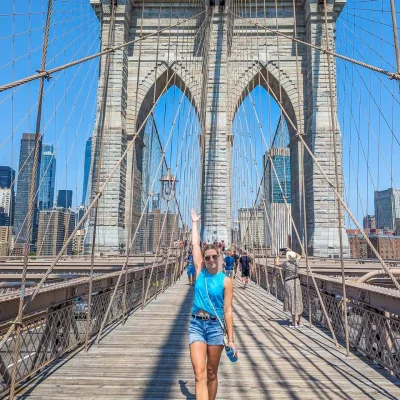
368, 102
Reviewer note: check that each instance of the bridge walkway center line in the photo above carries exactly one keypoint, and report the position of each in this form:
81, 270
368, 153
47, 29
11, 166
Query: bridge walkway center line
148, 358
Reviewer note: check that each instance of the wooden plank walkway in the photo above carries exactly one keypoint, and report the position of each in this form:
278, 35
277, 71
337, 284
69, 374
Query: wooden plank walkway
148, 358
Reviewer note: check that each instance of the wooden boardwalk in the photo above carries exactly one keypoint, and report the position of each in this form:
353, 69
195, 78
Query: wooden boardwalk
148, 358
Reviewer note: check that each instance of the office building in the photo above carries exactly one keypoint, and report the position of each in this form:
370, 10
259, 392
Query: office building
277, 189
154, 226
387, 208
86, 172
78, 242
64, 198
25, 173
7, 178
5, 240
6, 203
387, 245
369, 222
55, 227
47, 177
252, 227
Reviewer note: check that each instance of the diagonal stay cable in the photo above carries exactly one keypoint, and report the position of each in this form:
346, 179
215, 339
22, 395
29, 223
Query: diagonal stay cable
46, 74
391, 75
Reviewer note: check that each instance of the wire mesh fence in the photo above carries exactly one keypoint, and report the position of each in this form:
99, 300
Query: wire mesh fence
374, 333
52, 332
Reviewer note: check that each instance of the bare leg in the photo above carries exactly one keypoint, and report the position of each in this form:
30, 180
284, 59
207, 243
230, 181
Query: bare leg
213, 357
198, 353
294, 320
299, 319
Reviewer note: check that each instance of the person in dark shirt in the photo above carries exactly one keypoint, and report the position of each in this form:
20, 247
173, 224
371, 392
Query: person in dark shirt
236, 257
246, 265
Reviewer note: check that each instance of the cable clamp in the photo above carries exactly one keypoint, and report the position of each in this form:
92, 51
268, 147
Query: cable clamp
17, 324
97, 192
47, 75
110, 49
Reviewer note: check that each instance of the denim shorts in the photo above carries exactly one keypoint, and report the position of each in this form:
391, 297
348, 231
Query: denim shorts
191, 270
207, 331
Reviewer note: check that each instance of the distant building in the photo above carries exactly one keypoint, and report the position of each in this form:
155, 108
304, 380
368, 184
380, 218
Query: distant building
26, 161
252, 227
154, 226
64, 198
277, 189
387, 246
387, 208
55, 227
86, 171
5, 240
47, 177
6, 199
7, 178
78, 241
156, 201
369, 222
80, 212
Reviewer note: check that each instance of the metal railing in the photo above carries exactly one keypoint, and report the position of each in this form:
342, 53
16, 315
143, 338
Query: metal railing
373, 312
50, 332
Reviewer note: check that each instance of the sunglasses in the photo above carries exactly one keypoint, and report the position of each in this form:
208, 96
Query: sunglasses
214, 257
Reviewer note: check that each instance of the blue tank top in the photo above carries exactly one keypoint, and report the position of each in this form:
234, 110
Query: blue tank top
215, 283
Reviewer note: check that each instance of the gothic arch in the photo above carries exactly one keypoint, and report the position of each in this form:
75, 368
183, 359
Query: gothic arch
183, 79
259, 73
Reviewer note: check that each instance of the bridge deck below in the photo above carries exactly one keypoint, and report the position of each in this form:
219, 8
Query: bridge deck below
148, 358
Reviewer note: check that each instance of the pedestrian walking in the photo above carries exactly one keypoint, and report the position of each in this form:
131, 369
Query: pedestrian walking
246, 266
236, 257
190, 269
293, 299
229, 262
212, 315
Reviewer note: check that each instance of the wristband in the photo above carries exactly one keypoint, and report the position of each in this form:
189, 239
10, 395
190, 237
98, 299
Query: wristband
231, 341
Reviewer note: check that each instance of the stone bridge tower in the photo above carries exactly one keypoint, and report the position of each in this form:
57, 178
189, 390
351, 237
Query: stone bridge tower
205, 74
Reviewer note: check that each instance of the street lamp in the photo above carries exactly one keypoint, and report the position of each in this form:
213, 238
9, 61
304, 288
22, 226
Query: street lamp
168, 183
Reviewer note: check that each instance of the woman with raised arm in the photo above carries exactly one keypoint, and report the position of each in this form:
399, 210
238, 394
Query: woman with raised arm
212, 309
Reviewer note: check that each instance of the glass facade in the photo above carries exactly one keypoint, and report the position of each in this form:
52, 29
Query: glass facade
64, 198
280, 182
86, 172
26, 157
47, 177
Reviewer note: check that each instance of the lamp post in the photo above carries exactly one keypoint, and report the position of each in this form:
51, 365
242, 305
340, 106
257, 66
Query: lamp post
168, 183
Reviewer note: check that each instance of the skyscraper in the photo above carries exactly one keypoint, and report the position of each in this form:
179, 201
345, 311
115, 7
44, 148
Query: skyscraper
47, 177
64, 198
387, 208
26, 159
276, 190
55, 227
86, 172
7, 193
252, 227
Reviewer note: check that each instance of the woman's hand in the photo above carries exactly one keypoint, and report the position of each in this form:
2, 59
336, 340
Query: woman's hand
232, 344
195, 217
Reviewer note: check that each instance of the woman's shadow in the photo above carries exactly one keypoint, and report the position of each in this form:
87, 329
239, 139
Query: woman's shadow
185, 390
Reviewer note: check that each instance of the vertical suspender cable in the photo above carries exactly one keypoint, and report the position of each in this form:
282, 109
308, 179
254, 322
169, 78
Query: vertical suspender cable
340, 219
301, 165
31, 210
100, 142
